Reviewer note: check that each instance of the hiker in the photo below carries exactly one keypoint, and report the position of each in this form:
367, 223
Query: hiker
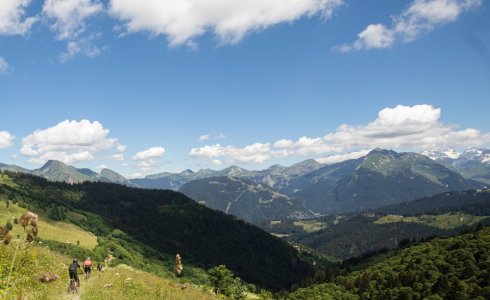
99, 267
72, 270
87, 266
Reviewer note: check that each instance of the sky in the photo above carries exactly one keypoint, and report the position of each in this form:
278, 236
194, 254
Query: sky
150, 86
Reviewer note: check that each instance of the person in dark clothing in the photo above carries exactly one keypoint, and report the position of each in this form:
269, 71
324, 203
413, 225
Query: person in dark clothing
99, 267
73, 270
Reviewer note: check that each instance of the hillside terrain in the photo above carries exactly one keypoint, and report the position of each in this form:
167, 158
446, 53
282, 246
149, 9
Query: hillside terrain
353, 235
245, 199
444, 268
156, 224
32, 261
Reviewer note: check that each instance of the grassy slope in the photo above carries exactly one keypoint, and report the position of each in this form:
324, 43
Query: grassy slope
443, 221
33, 260
48, 229
124, 282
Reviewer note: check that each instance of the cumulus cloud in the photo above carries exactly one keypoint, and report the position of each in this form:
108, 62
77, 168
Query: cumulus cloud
6, 139
228, 20
147, 158
69, 23
255, 153
153, 152
68, 141
4, 66
405, 128
420, 17
12, 17
204, 137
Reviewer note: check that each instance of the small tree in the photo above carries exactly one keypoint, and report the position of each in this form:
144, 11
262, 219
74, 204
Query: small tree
9, 225
224, 283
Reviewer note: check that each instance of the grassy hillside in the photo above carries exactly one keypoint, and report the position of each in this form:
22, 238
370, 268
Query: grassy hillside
64, 232
120, 282
444, 268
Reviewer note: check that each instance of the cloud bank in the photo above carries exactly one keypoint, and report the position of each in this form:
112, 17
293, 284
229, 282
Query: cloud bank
420, 17
229, 20
412, 128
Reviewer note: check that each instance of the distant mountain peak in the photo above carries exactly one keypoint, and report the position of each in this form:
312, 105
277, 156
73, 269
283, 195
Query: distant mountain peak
383, 151
187, 172
53, 163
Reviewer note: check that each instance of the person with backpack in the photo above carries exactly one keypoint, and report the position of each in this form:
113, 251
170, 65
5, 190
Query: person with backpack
73, 271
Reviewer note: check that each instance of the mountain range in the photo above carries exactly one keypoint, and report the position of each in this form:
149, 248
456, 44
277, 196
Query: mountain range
382, 177
473, 163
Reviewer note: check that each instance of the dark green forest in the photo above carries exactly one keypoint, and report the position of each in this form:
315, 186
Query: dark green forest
444, 268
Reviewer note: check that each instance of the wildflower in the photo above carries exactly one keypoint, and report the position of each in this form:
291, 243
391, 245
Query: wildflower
5, 237
178, 265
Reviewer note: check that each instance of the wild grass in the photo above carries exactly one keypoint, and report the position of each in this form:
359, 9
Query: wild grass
124, 282
31, 262
48, 229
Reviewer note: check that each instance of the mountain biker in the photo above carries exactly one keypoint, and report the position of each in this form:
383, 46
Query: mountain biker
87, 266
72, 270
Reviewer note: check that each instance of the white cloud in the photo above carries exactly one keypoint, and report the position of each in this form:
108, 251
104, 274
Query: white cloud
332, 159
221, 136
14, 157
412, 127
4, 66
12, 17
68, 141
69, 16
6, 139
147, 158
229, 20
406, 128
147, 165
85, 46
69, 23
116, 156
420, 17
204, 137
153, 152
255, 153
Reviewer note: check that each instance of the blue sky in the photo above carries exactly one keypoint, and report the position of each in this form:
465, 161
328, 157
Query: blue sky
223, 82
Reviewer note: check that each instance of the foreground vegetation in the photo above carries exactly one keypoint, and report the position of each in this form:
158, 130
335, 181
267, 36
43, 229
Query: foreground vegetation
121, 282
